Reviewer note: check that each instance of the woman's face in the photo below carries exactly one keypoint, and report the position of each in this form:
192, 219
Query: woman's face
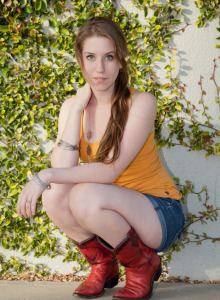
101, 66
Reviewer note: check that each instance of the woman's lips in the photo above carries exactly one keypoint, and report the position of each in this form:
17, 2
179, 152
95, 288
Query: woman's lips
99, 79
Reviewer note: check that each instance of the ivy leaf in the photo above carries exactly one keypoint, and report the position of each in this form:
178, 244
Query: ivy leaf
28, 10
59, 71
38, 4
156, 57
5, 70
54, 23
44, 6
65, 31
153, 19
13, 192
145, 11
4, 28
23, 2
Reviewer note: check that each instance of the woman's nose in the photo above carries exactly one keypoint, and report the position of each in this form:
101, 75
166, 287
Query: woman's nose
100, 67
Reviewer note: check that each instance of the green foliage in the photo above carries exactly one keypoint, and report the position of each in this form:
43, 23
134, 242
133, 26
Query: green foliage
20, 267
208, 10
209, 213
39, 71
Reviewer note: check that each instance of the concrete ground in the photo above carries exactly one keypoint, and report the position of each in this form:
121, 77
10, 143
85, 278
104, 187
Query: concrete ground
45, 290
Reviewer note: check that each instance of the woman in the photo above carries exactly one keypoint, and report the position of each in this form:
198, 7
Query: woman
123, 206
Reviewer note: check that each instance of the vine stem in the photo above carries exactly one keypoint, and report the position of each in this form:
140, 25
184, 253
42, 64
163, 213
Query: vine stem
197, 123
197, 193
17, 64
198, 219
182, 29
187, 146
206, 237
199, 241
202, 100
213, 78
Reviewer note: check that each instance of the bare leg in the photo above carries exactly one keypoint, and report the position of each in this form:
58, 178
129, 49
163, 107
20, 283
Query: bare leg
56, 204
104, 264
109, 211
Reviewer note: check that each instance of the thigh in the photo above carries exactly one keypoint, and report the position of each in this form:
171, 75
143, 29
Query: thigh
133, 206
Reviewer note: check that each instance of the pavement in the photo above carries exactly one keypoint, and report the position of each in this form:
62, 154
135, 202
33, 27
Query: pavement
45, 290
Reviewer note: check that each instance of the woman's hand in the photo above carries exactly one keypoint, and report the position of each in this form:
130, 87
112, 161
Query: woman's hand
82, 97
27, 200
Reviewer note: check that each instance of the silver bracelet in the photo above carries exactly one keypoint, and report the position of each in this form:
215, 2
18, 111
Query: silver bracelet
40, 182
66, 146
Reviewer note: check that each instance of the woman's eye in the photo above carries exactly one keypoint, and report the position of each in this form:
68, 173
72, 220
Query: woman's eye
110, 57
90, 57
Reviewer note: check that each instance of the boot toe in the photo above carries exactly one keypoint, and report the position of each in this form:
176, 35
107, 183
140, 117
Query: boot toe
127, 293
88, 291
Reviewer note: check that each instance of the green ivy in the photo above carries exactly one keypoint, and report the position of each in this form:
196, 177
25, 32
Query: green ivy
39, 71
209, 10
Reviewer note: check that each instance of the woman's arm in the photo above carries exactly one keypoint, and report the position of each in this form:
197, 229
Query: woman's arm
139, 125
69, 129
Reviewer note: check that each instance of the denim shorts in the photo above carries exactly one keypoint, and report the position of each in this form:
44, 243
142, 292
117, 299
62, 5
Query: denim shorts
171, 217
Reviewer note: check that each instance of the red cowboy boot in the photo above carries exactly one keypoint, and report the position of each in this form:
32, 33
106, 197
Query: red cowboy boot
104, 273
143, 267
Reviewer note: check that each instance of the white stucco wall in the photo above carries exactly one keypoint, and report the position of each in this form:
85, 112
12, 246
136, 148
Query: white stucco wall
195, 56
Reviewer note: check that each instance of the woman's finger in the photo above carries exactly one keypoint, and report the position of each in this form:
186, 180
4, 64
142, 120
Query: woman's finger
27, 200
29, 207
23, 207
33, 207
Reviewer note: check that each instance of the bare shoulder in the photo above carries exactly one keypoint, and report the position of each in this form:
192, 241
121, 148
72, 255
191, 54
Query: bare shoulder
144, 103
146, 98
65, 107
68, 102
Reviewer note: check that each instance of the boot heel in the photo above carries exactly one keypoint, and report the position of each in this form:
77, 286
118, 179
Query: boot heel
110, 283
158, 273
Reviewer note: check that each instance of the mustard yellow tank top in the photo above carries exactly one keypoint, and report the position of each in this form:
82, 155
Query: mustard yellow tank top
145, 173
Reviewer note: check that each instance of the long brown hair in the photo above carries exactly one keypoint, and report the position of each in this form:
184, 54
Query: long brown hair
99, 26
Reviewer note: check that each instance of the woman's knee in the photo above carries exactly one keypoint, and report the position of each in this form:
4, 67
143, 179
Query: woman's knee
54, 200
84, 200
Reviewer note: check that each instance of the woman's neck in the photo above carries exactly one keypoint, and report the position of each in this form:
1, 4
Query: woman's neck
101, 97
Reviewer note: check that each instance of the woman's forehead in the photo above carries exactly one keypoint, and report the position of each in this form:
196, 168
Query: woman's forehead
98, 44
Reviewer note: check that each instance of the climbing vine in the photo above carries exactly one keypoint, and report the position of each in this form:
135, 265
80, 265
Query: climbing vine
208, 10
39, 71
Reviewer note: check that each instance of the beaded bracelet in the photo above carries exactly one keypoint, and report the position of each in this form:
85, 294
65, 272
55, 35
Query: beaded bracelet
40, 182
66, 146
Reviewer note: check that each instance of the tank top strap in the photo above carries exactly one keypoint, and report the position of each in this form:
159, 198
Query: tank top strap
132, 91
81, 125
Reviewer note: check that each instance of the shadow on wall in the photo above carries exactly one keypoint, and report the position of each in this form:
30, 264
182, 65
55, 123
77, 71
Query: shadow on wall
167, 168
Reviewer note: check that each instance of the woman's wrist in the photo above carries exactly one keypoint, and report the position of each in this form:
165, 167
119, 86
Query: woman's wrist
76, 108
46, 175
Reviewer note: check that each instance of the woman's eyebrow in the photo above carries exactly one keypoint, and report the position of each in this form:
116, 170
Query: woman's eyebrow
104, 53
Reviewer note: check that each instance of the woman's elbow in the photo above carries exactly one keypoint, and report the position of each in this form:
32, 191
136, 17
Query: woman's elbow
110, 176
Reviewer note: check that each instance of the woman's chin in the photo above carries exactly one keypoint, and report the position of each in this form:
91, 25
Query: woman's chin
101, 87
